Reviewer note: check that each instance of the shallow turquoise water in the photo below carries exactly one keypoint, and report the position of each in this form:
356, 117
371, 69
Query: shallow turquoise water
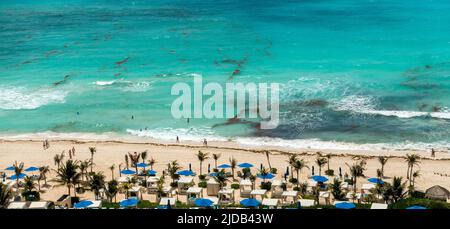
351, 71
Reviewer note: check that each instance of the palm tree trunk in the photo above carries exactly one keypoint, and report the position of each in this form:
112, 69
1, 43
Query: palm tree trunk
298, 179
201, 167
68, 188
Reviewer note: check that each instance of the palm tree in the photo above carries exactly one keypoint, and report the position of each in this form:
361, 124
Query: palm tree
393, 192
298, 165
28, 189
112, 187
336, 189
5, 195
202, 157
233, 164
112, 167
415, 175
411, 159
58, 158
267, 153
18, 169
84, 165
173, 169
134, 158
160, 188
151, 162
321, 161
221, 179
216, 157
43, 170
92, 150
144, 155
126, 161
126, 186
68, 175
382, 160
291, 160
357, 170
96, 183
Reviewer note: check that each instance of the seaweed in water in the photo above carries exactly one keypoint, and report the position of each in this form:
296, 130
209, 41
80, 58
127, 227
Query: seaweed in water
66, 78
122, 61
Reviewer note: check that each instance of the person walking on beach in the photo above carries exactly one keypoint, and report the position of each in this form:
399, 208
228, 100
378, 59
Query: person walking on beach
178, 139
205, 143
433, 153
73, 151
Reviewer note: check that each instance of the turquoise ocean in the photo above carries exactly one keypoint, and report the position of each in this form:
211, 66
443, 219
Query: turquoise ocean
353, 73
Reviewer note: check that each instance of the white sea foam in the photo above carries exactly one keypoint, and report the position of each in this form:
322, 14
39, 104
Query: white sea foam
104, 83
366, 105
189, 134
334, 145
126, 85
18, 98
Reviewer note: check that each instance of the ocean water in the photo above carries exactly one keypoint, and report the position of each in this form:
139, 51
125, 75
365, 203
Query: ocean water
354, 73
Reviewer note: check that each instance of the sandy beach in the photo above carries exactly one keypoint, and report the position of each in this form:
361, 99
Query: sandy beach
108, 153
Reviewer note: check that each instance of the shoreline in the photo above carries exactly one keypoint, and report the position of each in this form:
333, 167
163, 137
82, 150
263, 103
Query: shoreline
111, 152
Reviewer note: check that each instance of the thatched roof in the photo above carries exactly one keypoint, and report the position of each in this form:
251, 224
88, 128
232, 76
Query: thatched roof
437, 192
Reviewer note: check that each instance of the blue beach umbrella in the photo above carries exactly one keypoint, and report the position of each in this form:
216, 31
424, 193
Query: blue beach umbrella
213, 174
266, 176
151, 172
320, 179
131, 202
345, 205
186, 173
245, 165
250, 202
203, 202
224, 166
416, 207
14, 177
375, 180
83, 204
128, 172
32, 169
141, 165
10, 168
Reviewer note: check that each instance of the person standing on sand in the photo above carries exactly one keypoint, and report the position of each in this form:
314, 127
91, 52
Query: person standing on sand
73, 151
178, 139
433, 154
205, 143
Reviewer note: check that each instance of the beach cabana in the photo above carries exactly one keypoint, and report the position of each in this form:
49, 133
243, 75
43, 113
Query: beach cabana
270, 203
39, 205
378, 206
226, 196
194, 193
324, 195
367, 187
152, 185
258, 192
277, 188
286, 195
135, 191
184, 183
124, 179
437, 193
212, 187
245, 187
353, 196
306, 202
17, 205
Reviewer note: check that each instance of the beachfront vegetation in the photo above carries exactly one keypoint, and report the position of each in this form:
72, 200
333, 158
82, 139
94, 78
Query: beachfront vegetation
67, 174
5, 195
201, 156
